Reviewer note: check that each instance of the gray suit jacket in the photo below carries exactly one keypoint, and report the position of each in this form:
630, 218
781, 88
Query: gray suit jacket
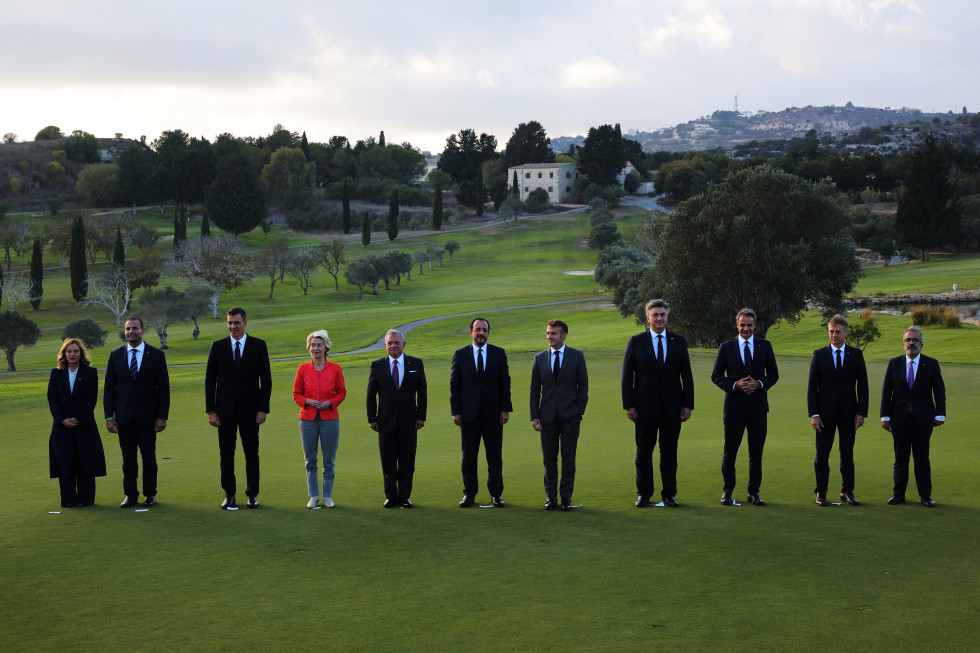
562, 399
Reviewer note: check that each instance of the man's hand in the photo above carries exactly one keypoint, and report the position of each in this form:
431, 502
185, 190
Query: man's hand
373, 425
159, 425
748, 385
536, 424
817, 423
419, 423
213, 420
111, 426
858, 421
685, 414
504, 417
260, 417
886, 424
458, 420
937, 422
69, 422
632, 414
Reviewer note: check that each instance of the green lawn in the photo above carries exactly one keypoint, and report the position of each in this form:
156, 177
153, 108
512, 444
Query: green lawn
188, 576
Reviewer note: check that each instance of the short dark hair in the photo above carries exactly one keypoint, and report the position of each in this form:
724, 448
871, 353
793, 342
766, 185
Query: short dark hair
747, 312
478, 319
138, 319
559, 324
656, 303
238, 310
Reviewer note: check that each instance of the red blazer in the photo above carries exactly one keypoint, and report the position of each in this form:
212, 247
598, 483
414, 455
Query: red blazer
325, 384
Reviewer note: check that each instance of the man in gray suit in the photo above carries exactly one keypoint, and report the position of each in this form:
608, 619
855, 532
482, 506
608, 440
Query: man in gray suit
559, 394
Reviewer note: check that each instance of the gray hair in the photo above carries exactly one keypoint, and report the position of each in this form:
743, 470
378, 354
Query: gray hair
922, 338
395, 332
656, 303
322, 335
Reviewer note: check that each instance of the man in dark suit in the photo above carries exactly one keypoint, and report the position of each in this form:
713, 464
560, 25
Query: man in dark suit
396, 403
136, 400
745, 369
479, 400
559, 395
836, 399
913, 401
237, 389
658, 394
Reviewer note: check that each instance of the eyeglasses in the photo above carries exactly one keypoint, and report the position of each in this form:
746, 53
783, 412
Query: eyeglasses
912, 340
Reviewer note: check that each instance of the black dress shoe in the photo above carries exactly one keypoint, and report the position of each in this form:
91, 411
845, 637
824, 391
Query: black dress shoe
497, 502
149, 502
896, 499
726, 499
252, 503
390, 503
822, 500
566, 504
406, 503
467, 501
129, 502
671, 502
756, 499
927, 502
642, 501
229, 502
551, 503
849, 498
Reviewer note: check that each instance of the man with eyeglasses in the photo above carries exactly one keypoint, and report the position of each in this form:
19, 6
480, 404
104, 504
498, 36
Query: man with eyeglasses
913, 401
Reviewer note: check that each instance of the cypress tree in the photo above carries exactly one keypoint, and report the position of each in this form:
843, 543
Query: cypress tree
1, 283
205, 226
77, 263
180, 234
366, 229
37, 275
119, 252
346, 209
514, 190
393, 215
381, 139
478, 193
437, 207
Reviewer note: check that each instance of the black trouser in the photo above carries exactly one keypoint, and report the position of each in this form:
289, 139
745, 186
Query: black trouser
844, 425
912, 438
492, 434
397, 450
647, 429
139, 435
735, 427
227, 441
559, 436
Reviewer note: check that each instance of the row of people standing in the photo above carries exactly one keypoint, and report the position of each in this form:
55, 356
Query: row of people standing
657, 394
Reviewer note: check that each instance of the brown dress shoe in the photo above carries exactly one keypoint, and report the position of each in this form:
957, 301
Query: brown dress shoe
822, 500
849, 498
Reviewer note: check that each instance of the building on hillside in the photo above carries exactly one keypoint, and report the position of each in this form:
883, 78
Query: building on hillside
555, 178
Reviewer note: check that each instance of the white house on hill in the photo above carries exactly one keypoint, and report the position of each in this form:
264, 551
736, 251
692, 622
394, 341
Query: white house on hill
556, 178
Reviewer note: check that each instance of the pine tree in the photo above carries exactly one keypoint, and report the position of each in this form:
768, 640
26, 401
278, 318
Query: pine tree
119, 252
37, 275
381, 139
393, 215
478, 193
437, 206
77, 262
346, 209
366, 229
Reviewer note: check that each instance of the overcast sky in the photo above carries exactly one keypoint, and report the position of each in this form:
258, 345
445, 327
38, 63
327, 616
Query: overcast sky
423, 70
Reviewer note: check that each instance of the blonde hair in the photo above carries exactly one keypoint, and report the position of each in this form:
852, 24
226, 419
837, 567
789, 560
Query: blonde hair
322, 335
84, 359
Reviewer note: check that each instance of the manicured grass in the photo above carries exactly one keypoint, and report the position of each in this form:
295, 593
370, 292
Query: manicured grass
935, 276
188, 576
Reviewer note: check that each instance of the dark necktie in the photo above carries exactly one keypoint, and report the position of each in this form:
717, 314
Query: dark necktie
911, 374
748, 355
840, 363
557, 366
238, 353
660, 349
132, 364
394, 373
479, 360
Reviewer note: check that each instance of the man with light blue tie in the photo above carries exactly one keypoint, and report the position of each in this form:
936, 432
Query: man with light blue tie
913, 401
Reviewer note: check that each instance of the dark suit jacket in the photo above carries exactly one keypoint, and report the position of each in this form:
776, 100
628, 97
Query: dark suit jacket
830, 393
653, 388
147, 398
244, 391
396, 409
927, 396
562, 399
729, 368
64, 402
476, 396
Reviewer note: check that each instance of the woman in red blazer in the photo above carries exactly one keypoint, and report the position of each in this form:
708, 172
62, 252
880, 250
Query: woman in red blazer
318, 390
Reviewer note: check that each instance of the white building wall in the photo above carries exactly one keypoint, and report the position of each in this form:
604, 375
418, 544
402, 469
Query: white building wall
555, 178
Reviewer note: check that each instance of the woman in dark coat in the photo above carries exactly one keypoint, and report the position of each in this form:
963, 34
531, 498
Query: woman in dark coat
75, 448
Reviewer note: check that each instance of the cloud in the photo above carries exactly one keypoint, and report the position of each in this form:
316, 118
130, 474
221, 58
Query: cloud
706, 30
588, 74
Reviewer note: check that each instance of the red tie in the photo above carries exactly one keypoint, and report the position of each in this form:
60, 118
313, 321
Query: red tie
394, 373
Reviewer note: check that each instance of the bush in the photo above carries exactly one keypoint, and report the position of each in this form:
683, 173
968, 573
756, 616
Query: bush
935, 316
88, 330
